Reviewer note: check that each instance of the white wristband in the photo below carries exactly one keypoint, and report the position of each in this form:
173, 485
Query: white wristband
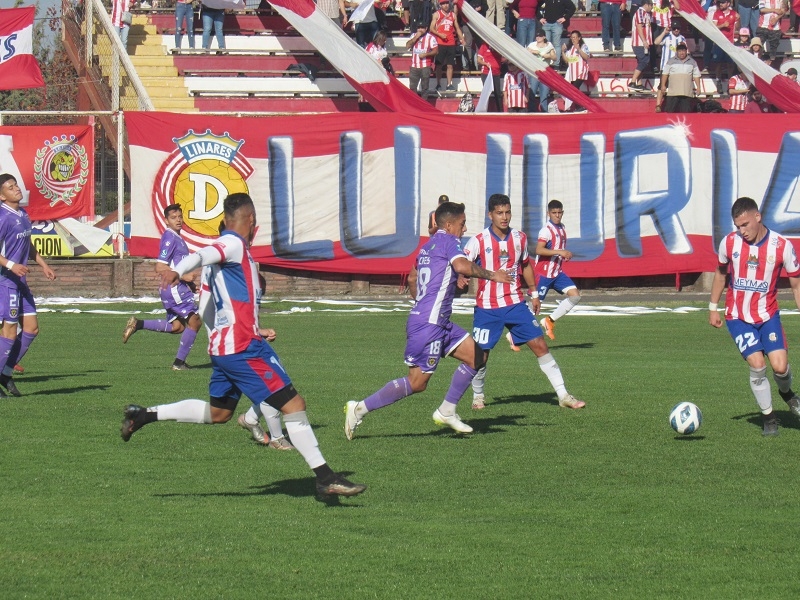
713, 307
10, 264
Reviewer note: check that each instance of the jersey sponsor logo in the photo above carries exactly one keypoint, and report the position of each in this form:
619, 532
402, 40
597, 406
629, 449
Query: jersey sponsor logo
61, 169
751, 285
752, 260
198, 174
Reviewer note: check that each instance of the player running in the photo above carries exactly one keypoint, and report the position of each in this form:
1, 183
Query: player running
430, 335
501, 305
178, 299
753, 256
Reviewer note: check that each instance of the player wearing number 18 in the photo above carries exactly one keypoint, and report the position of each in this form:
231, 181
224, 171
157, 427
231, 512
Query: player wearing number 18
430, 335
754, 256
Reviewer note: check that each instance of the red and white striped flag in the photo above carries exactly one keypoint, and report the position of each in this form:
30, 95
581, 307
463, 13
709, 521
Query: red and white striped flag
365, 74
778, 89
521, 57
18, 66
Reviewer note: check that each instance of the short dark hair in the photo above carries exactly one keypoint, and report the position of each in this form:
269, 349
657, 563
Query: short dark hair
496, 200
447, 211
170, 208
791, 71
236, 201
553, 204
6, 177
743, 205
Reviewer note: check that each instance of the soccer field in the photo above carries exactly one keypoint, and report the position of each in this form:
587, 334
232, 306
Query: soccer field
540, 502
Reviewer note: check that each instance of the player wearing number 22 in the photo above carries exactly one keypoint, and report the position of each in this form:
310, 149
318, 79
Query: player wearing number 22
753, 255
430, 335
501, 305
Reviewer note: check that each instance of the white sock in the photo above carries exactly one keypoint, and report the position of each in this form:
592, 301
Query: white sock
251, 416
784, 380
185, 411
303, 439
361, 409
761, 389
447, 409
550, 368
273, 418
479, 380
566, 305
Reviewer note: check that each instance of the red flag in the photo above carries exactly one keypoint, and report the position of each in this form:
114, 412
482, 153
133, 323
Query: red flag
18, 66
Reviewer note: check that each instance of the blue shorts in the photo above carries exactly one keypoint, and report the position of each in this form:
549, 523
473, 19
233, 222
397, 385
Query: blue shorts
257, 373
765, 337
426, 344
488, 325
560, 283
15, 302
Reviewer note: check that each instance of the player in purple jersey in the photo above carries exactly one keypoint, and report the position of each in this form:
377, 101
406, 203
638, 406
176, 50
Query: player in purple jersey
430, 335
248, 365
178, 300
17, 308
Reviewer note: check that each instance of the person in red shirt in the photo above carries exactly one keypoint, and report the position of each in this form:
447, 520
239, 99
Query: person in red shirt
444, 26
758, 103
488, 59
726, 19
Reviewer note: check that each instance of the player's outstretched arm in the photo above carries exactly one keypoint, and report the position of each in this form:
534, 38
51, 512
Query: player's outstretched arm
464, 266
48, 272
412, 282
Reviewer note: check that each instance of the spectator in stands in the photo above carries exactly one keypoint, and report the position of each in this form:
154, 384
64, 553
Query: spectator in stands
496, 13
756, 47
726, 20
680, 81
424, 48
184, 14
120, 18
489, 59
611, 19
577, 56
420, 13
334, 10
791, 73
554, 15
669, 40
444, 25
543, 49
769, 25
525, 13
642, 41
469, 45
515, 90
661, 19
213, 17
377, 50
433, 226
365, 21
743, 40
738, 90
708, 45
749, 15
758, 103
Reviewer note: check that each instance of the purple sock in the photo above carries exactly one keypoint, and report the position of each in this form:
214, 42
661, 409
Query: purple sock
5, 349
462, 379
160, 325
390, 393
187, 341
25, 341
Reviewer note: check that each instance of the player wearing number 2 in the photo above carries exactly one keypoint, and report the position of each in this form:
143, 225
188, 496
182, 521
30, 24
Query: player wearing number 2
501, 305
430, 335
753, 256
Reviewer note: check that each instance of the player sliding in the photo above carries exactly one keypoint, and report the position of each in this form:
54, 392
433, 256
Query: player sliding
430, 335
501, 305
242, 361
754, 256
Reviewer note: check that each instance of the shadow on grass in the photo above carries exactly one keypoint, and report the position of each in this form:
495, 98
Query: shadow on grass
496, 424
303, 487
549, 398
689, 438
72, 390
786, 420
582, 346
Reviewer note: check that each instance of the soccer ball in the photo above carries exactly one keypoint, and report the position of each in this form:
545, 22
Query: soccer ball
685, 418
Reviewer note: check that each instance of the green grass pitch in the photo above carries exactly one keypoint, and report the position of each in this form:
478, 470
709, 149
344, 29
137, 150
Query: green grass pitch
540, 502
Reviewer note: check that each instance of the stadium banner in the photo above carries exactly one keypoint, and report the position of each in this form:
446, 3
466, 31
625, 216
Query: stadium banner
350, 192
54, 166
19, 68
51, 240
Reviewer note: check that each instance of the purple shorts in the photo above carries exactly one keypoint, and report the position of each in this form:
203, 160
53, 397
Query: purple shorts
16, 302
426, 344
178, 301
257, 373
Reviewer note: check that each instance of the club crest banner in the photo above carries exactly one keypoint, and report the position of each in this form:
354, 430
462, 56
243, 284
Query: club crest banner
54, 166
351, 193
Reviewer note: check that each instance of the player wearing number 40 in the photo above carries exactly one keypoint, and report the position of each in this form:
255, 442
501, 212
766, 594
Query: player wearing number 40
430, 335
502, 305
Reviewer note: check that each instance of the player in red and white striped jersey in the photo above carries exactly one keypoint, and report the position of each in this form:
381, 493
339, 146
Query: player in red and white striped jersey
502, 305
515, 89
551, 252
754, 256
